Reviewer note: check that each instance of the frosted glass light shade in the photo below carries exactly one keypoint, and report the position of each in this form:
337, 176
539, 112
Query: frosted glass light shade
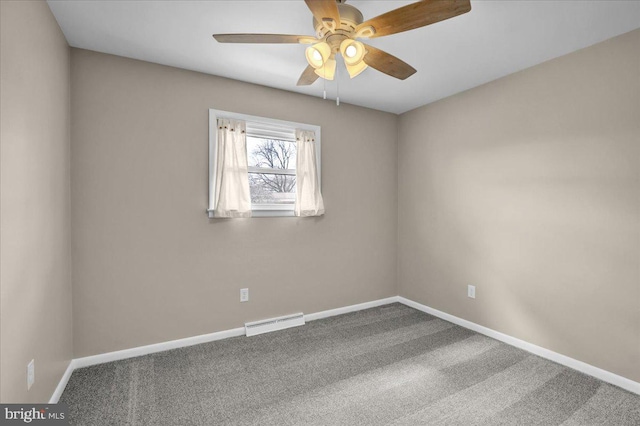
328, 70
352, 51
355, 70
318, 54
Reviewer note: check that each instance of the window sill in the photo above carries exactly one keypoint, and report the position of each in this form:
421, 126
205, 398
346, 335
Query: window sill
272, 213
262, 213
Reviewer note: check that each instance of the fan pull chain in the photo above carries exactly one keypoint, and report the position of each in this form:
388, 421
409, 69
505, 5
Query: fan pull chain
324, 88
324, 83
337, 86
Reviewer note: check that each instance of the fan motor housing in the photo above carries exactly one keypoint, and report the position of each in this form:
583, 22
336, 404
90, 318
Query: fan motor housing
350, 18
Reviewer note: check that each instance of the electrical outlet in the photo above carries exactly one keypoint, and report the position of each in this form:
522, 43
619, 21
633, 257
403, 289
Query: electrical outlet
31, 373
471, 291
244, 294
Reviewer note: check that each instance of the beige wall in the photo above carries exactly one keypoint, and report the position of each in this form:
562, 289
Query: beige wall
149, 266
35, 278
529, 188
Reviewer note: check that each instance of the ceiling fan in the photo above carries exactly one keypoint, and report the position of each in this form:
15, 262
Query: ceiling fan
339, 25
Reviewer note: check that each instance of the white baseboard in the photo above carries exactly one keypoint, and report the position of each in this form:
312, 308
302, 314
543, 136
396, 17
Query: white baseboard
62, 384
598, 373
352, 308
156, 347
583, 367
190, 341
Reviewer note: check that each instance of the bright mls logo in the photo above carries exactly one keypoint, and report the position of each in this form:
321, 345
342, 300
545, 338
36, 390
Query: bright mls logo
38, 414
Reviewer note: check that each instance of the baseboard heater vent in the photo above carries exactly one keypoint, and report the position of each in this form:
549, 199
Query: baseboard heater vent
273, 324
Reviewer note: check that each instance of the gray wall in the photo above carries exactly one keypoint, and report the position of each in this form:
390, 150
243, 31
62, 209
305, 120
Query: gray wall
149, 266
35, 277
529, 188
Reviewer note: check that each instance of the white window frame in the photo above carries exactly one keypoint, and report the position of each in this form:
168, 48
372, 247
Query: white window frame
257, 210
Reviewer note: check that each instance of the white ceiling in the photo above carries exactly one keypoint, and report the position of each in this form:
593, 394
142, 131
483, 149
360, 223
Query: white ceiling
495, 39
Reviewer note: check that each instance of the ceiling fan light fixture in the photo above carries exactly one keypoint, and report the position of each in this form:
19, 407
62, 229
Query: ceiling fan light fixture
318, 54
352, 51
328, 70
338, 26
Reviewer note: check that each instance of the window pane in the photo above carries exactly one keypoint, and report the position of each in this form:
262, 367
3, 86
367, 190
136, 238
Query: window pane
275, 154
268, 188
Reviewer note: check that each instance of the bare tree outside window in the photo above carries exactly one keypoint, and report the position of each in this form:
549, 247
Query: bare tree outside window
272, 188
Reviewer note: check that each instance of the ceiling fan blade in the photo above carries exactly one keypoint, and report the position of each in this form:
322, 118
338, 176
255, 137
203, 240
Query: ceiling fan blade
387, 63
308, 76
324, 9
415, 15
264, 38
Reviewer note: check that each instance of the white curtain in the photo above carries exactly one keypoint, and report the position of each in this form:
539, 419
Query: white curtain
232, 198
309, 199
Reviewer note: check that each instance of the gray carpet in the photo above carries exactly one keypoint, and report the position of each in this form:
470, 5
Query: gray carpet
390, 365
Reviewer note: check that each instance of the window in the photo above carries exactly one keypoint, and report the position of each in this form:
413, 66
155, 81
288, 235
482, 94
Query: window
271, 156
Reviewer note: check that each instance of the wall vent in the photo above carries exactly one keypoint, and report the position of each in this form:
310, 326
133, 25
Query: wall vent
273, 324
